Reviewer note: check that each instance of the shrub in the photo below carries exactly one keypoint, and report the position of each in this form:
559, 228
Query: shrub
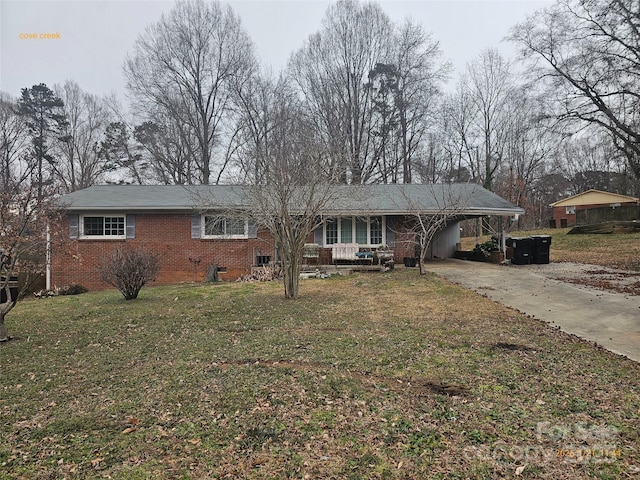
129, 270
487, 247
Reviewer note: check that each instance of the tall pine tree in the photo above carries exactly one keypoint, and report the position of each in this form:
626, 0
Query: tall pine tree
45, 118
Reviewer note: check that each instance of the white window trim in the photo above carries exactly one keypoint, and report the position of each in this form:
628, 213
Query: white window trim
82, 236
570, 210
224, 237
353, 230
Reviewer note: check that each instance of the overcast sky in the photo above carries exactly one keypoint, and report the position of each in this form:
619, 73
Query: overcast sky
89, 39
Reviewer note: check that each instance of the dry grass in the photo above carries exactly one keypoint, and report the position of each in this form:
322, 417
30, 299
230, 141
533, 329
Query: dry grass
370, 376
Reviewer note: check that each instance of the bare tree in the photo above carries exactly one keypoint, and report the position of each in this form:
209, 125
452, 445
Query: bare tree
591, 162
530, 142
251, 147
588, 53
429, 214
332, 71
421, 72
289, 189
25, 213
13, 144
181, 69
164, 149
495, 132
455, 128
80, 164
491, 87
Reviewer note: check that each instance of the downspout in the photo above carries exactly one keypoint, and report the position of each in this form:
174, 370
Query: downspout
48, 260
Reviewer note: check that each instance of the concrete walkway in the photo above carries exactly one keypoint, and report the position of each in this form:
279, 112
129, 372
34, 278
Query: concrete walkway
610, 319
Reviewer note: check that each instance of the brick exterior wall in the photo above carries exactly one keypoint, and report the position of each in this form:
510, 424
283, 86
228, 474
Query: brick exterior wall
78, 260
170, 236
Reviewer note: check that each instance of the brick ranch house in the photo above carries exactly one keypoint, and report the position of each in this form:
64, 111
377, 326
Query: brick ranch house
181, 224
564, 211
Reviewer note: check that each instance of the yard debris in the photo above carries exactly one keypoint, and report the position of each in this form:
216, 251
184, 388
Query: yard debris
608, 279
315, 274
73, 289
267, 273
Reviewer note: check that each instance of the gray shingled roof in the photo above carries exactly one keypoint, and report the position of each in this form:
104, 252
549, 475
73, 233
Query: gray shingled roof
466, 199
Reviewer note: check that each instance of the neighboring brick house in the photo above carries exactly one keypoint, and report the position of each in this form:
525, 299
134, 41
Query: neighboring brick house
181, 223
564, 211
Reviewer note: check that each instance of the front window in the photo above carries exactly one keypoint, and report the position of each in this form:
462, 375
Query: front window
361, 230
331, 231
375, 228
100, 226
222, 227
571, 210
346, 230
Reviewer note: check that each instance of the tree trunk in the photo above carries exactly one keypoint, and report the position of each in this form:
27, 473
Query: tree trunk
424, 248
4, 333
292, 278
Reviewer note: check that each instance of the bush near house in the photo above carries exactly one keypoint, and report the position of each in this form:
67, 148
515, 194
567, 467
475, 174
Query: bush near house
129, 270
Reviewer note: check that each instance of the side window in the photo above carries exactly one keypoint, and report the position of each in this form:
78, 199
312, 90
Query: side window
223, 227
103, 226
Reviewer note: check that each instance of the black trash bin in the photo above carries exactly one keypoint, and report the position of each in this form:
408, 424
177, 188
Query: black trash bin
542, 244
13, 289
522, 250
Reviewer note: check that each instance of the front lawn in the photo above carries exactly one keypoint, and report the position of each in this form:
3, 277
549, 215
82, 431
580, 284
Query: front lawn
387, 376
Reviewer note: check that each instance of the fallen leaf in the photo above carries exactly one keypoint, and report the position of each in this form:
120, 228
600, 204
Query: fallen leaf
128, 430
519, 470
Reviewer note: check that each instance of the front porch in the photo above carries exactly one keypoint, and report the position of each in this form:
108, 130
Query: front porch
351, 255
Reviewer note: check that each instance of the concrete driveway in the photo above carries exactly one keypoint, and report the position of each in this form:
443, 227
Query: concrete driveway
610, 319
